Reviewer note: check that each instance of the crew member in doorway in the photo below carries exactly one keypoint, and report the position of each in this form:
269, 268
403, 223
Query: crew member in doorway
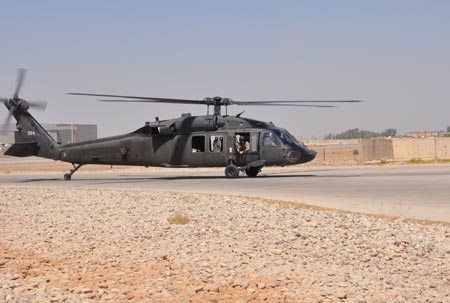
242, 146
217, 145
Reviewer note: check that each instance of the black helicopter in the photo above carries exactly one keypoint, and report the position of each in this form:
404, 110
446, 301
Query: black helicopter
214, 140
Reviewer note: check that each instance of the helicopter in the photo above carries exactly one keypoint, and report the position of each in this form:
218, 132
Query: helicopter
213, 140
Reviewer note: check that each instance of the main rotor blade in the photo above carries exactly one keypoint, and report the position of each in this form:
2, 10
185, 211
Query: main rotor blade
156, 100
201, 102
142, 99
292, 101
21, 73
282, 104
212, 101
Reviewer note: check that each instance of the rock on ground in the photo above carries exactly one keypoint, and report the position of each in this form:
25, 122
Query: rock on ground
88, 245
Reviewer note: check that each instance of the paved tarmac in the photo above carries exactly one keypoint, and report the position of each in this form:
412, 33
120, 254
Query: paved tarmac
412, 191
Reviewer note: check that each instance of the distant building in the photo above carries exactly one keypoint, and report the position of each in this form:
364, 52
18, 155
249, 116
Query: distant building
425, 134
62, 133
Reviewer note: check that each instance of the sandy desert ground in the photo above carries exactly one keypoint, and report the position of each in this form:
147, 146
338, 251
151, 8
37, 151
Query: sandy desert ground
90, 245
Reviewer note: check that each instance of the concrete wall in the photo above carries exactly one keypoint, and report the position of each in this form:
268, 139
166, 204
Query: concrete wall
443, 148
335, 151
404, 149
375, 149
336, 154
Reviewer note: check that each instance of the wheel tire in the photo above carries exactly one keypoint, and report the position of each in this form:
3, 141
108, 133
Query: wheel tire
252, 172
231, 171
67, 177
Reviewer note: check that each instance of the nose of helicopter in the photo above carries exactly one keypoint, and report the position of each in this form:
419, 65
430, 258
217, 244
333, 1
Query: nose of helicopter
297, 154
311, 154
307, 154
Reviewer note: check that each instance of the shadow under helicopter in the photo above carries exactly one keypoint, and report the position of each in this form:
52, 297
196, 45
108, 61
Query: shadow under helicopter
124, 179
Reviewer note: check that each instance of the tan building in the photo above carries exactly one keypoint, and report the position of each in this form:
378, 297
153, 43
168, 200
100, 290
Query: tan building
424, 134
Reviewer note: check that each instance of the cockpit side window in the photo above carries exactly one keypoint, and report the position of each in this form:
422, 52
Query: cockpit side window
271, 139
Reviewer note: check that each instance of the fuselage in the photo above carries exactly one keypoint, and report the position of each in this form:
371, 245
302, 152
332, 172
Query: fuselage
188, 141
192, 142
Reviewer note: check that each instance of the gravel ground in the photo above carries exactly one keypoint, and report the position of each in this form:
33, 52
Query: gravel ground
119, 246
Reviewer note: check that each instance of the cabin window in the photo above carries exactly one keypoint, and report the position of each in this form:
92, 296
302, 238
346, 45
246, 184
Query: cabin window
198, 144
216, 144
271, 139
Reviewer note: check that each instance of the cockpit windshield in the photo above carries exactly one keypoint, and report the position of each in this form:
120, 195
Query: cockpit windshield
285, 136
292, 137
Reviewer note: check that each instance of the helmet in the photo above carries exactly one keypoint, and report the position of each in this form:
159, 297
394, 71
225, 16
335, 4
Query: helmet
241, 138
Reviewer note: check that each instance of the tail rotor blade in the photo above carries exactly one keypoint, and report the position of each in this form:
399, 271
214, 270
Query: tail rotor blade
38, 105
21, 74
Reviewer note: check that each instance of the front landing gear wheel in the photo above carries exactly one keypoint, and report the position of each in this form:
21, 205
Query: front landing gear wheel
231, 171
67, 177
252, 171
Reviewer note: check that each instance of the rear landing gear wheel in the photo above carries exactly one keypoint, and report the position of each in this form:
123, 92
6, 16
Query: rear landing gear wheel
231, 171
252, 171
68, 175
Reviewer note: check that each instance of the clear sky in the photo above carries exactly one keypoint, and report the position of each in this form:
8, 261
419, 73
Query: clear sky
394, 55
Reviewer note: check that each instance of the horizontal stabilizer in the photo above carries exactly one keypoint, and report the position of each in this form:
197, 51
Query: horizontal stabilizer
22, 149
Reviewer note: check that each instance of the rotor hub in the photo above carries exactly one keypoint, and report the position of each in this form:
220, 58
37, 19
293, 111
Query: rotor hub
17, 103
22, 104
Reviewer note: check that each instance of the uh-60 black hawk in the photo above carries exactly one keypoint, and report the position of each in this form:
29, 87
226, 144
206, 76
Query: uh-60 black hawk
213, 140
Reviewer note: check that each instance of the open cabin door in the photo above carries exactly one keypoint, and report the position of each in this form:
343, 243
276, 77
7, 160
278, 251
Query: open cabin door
248, 156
